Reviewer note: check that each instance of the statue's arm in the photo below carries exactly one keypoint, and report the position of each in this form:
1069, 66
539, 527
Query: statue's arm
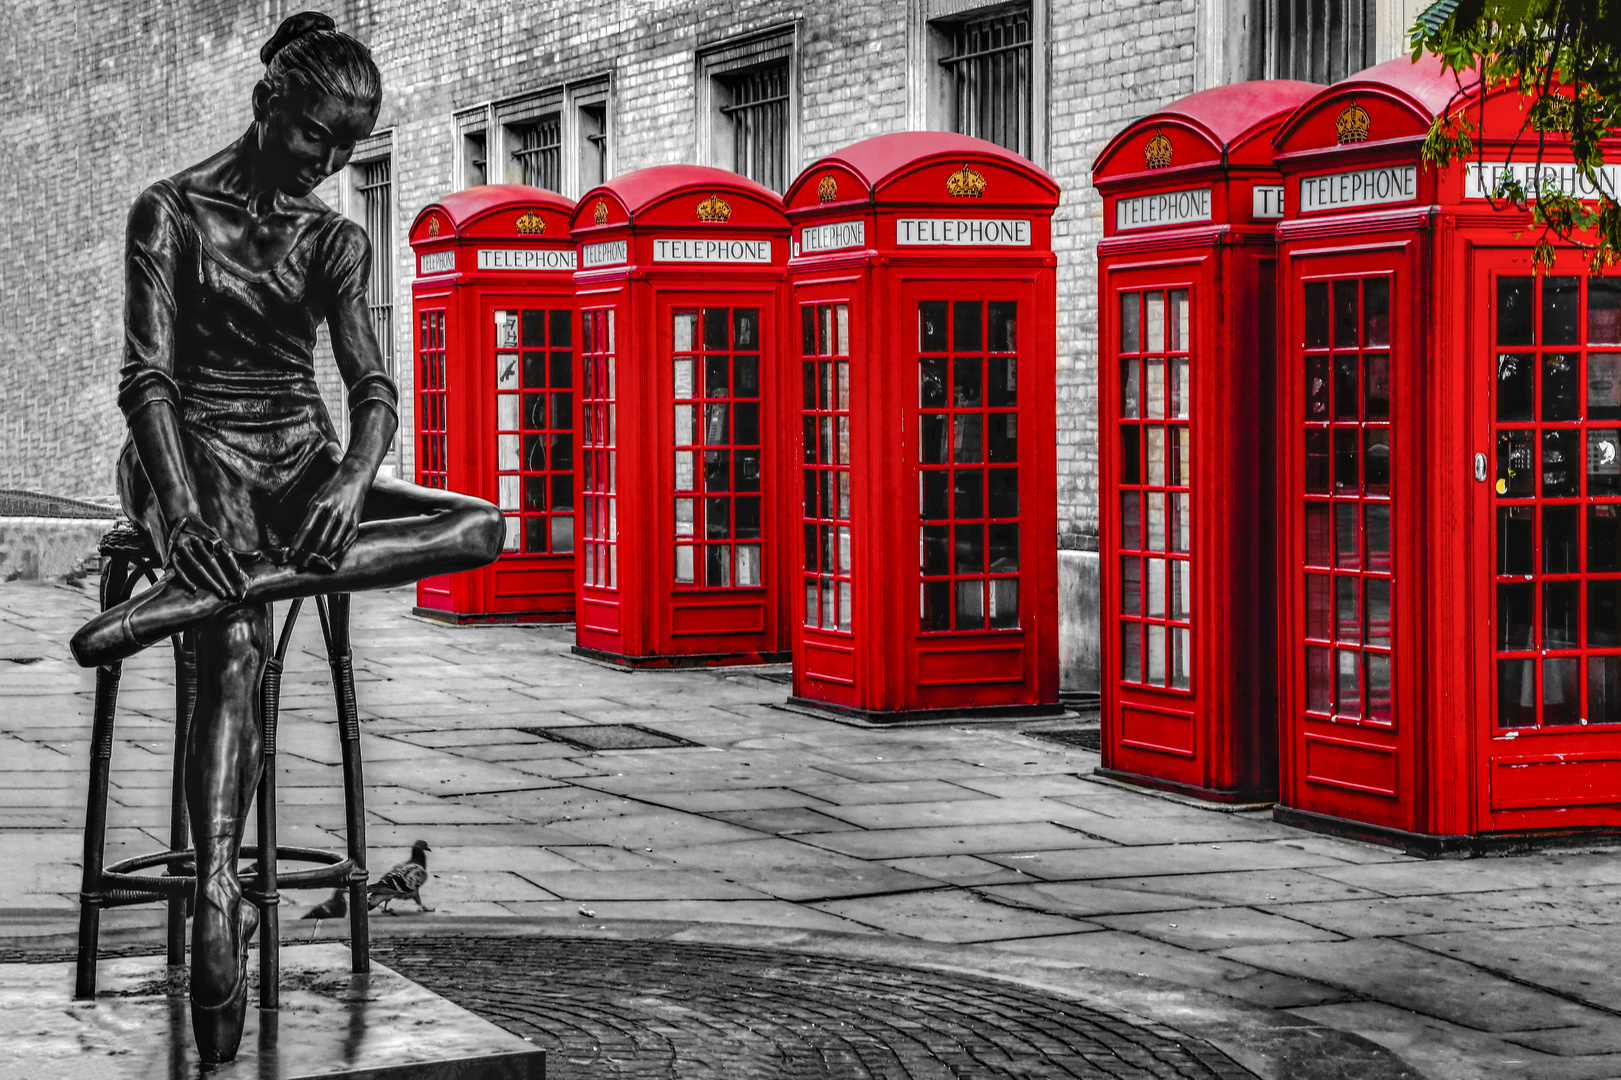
150, 398
333, 519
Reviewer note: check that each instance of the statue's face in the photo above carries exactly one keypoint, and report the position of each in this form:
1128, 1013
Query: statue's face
307, 140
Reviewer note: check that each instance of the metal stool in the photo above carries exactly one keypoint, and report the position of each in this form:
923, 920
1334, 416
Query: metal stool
128, 556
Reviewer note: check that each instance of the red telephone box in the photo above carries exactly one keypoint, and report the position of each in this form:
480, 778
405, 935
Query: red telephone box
492, 307
1449, 484
1186, 315
678, 292
923, 323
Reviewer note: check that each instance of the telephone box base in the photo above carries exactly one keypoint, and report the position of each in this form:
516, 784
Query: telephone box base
1430, 846
684, 661
1192, 791
459, 618
891, 718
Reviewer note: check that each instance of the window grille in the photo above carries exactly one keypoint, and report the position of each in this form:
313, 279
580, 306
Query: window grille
1320, 41
476, 154
989, 78
538, 152
759, 117
375, 187
594, 153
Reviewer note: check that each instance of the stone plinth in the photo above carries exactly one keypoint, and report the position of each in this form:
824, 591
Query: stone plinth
331, 1026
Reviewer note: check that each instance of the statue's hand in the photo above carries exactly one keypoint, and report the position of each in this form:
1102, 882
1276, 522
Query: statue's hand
200, 559
332, 521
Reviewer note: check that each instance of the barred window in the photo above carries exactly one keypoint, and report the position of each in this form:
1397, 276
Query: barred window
475, 154
374, 185
1320, 41
537, 152
988, 73
758, 114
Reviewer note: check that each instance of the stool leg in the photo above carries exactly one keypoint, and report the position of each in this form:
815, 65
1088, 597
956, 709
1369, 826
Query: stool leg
269, 899
185, 702
334, 612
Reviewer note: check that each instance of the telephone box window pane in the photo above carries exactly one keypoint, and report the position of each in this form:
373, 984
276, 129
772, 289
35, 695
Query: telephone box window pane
717, 470
1317, 462
507, 499
1514, 617
1604, 690
970, 605
1603, 461
970, 545
1131, 652
1347, 538
748, 518
748, 565
686, 425
1377, 386
1002, 385
1559, 473
1346, 366
1155, 589
745, 329
1378, 537
1346, 314
934, 504
1181, 661
512, 539
747, 474
1319, 681
1131, 328
1561, 696
1317, 386
1004, 438
1604, 386
1181, 525
1380, 709
1004, 549
718, 565
1515, 393
1603, 539
1156, 521
1004, 496
1559, 615
1516, 464
1179, 320
1346, 480
506, 371
1318, 538
1156, 655
534, 328
534, 368
506, 330
1516, 529
969, 493
1181, 590
931, 385
506, 412
965, 438
1604, 311
684, 519
717, 381
1316, 314
967, 334
1131, 465
1319, 606
1516, 693
717, 429
683, 379
562, 362
1154, 389
534, 535
1178, 371
1559, 372
1376, 313
1378, 613
1604, 614
931, 326
1003, 329
1561, 303
1514, 320
746, 377
717, 520
1376, 448
534, 412
1347, 619
1004, 610
966, 381
936, 549
1348, 697
562, 452
562, 411
1154, 320
534, 492
506, 453
714, 329
686, 476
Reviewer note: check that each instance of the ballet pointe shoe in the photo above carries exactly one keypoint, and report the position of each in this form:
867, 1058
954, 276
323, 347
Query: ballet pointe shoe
217, 1026
125, 629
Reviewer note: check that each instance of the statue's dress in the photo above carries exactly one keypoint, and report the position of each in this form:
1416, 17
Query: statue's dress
234, 351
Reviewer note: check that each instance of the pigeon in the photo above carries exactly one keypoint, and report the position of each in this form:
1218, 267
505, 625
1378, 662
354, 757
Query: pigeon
335, 908
402, 881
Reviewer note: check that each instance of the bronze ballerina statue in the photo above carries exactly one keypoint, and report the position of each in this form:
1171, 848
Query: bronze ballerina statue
232, 464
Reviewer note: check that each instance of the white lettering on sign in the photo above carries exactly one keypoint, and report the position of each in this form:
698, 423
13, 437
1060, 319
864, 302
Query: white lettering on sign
963, 232
1364, 187
605, 253
526, 258
436, 262
1266, 201
833, 236
1482, 181
1163, 208
722, 251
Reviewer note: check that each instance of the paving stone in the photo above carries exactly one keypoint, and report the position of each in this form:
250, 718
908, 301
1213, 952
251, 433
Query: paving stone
793, 871
913, 815
965, 870
1254, 887
661, 884
1216, 928
701, 802
1413, 878
953, 915
954, 840
1179, 859
851, 793
1578, 962
781, 820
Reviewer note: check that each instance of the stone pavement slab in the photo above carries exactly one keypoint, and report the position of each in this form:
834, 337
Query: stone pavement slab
951, 915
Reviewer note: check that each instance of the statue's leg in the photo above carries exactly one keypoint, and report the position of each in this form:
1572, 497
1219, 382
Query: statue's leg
409, 533
223, 760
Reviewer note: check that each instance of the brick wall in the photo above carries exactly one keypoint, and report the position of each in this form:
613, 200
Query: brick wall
102, 98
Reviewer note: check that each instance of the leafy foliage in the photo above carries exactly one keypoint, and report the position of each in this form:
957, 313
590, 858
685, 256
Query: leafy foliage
1565, 57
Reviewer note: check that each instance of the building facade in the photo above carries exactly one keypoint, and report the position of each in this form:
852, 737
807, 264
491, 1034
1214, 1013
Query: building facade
101, 97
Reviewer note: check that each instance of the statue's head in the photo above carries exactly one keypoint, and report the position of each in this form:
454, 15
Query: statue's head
319, 96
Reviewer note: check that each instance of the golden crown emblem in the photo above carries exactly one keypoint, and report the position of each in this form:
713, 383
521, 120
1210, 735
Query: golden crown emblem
828, 189
433, 225
531, 223
965, 183
1353, 124
713, 209
601, 212
1157, 151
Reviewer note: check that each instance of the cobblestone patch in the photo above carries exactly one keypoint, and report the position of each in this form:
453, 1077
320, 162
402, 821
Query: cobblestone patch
633, 1010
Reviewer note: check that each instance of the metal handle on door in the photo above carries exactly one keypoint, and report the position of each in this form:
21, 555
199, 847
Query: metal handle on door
1480, 468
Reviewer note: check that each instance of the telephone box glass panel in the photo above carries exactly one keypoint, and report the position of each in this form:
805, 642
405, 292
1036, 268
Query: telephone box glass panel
1156, 531
825, 379
1556, 500
432, 412
534, 429
1348, 578
968, 464
719, 525
599, 547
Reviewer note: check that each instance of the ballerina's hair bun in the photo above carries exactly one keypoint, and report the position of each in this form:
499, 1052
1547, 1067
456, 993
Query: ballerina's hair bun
308, 53
294, 26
